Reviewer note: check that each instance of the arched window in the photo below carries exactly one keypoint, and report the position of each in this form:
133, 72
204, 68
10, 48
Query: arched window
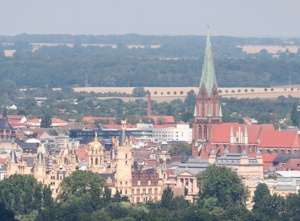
202, 111
239, 149
91, 161
96, 161
205, 133
200, 132
214, 109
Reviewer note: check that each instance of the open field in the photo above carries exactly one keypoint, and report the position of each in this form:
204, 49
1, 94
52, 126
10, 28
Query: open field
168, 94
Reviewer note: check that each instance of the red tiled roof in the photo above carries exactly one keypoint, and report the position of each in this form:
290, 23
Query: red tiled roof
221, 132
167, 119
57, 120
286, 138
16, 124
34, 120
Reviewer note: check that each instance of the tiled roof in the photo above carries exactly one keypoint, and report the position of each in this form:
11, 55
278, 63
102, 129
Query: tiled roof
34, 120
221, 132
279, 138
57, 120
167, 119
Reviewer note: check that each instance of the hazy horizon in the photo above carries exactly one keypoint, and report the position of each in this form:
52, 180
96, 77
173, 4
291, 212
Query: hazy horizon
268, 18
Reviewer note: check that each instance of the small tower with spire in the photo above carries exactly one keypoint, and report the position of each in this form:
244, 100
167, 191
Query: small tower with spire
207, 110
124, 162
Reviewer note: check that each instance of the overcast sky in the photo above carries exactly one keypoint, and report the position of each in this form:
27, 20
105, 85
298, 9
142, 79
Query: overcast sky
260, 18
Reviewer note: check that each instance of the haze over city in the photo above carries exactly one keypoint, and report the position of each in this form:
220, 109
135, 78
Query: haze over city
269, 18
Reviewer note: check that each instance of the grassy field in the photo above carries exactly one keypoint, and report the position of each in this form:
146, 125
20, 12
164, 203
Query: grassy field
168, 94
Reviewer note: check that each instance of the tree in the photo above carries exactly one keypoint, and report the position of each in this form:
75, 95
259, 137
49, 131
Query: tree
267, 206
139, 92
167, 196
190, 99
46, 121
21, 194
223, 184
292, 206
261, 195
180, 148
295, 114
83, 187
6, 214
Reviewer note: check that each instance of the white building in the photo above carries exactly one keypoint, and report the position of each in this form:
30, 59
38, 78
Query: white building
172, 132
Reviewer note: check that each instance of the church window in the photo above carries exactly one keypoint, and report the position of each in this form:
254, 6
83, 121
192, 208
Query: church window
200, 132
91, 161
239, 149
125, 191
205, 132
126, 156
202, 112
214, 109
96, 161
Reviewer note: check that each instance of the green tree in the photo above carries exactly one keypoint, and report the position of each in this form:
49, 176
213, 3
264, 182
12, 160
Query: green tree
181, 148
21, 194
295, 114
292, 206
83, 187
223, 184
166, 199
46, 121
6, 214
190, 99
261, 196
139, 92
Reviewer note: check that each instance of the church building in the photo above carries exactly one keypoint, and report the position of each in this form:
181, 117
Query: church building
210, 133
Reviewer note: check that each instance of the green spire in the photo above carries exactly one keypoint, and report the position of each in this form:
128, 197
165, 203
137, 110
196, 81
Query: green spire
208, 78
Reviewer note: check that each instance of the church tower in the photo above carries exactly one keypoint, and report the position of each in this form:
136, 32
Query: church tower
124, 162
208, 109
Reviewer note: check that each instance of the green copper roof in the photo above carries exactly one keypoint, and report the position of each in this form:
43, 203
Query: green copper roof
208, 78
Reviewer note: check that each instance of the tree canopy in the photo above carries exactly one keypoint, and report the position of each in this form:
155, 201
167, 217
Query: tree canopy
222, 186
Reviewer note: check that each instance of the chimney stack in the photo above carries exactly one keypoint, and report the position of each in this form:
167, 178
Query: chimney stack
149, 104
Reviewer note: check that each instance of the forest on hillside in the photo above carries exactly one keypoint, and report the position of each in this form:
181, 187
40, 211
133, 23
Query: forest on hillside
176, 62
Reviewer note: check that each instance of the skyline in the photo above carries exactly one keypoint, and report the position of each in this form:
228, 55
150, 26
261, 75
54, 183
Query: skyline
268, 18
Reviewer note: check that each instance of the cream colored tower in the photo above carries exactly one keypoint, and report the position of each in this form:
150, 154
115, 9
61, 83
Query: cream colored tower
124, 162
40, 170
96, 156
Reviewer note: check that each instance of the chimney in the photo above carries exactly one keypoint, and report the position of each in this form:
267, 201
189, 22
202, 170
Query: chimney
149, 104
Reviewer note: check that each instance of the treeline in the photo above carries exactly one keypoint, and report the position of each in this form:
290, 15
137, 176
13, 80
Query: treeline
67, 104
43, 72
84, 196
176, 62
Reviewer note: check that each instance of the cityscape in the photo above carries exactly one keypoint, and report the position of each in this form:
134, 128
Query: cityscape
139, 126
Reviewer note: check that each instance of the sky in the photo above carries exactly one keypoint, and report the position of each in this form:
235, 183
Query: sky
240, 18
